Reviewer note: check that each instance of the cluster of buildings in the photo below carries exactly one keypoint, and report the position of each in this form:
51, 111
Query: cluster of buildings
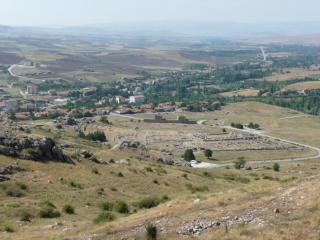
137, 99
150, 108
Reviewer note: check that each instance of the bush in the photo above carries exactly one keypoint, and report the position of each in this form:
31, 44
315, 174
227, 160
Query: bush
208, 153
22, 186
75, 185
121, 207
97, 136
107, 206
240, 163
148, 169
25, 216
276, 167
237, 125
188, 155
151, 202
104, 217
48, 210
14, 191
100, 191
151, 232
235, 178
195, 189
8, 228
254, 126
104, 120
68, 209
95, 171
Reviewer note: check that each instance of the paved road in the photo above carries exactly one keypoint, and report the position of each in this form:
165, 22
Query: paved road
259, 133
263, 54
125, 116
10, 70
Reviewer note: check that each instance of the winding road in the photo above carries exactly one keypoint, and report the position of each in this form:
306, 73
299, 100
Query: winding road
264, 55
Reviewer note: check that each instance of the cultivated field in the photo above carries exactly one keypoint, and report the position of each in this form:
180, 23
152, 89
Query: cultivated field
293, 73
303, 86
243, 92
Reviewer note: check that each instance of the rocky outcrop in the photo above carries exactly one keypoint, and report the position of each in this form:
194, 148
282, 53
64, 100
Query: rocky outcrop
4, 178
11, 169
131, 144
42, 150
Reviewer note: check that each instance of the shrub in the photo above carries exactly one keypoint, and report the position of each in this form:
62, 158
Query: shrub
185, 175
97, 136
22, 186
120, 174
14, 191
8, 228
75, 185
100, 191
107, 206
151, 231
148, 169
195, 189
207, 174
253, 125
151, 202
48, 210
237, 125
68, 209
25, 216
240, 163
104, 217
188, 155
121, 207
95, 171
276, 167
231, 177
104, 120
208, 153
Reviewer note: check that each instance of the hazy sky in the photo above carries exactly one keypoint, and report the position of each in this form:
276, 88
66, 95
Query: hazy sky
77, 12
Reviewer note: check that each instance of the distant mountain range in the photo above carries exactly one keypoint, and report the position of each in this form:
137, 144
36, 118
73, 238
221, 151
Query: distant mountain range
206, 29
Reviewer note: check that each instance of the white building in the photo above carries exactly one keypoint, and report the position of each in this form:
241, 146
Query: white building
136, 99
120, 99
61, 101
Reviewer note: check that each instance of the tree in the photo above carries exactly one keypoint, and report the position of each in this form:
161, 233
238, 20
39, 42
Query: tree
276, 167
151, 232
240, 163
97, 136
208, 153
188, 155
104, 120
12, 115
